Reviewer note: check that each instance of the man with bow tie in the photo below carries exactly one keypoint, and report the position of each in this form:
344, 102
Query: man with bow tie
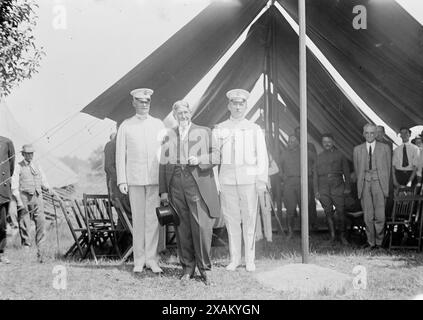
28, 181
405, 161
186, 179
372, 165
243, 174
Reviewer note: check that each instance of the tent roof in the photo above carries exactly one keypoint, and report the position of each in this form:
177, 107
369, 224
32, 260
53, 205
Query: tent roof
58, 174
383, 63
175, 67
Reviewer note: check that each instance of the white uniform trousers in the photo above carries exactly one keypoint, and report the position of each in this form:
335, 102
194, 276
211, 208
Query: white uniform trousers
266, 216
144, 201
239, 205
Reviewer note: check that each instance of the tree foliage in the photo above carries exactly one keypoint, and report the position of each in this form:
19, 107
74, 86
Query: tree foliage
19, 55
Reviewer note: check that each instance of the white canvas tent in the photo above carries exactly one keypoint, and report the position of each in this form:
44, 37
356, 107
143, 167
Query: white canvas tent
58, 174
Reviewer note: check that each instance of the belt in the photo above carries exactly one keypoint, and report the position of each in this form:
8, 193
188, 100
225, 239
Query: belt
331, 175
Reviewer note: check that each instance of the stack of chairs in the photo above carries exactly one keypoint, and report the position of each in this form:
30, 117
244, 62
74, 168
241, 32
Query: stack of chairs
404, 227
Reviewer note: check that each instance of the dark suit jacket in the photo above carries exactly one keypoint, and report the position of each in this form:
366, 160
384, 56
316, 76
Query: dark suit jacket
200, 144
7, 166
382, 156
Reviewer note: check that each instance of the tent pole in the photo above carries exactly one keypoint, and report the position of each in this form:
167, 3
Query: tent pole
303, 130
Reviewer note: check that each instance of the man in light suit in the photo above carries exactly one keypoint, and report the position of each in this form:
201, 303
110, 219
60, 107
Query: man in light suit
186, 178
137, 168
243, 174
7, 166
372, 165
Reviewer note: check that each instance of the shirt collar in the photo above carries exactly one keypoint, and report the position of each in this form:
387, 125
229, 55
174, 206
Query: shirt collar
185, 128
236, 120
373, 144
141, 117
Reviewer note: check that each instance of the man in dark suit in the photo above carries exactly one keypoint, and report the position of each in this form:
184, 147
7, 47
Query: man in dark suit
372, 165
186, 179
7, 166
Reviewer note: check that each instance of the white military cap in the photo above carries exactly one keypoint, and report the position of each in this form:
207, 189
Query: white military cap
143, 93
238, 94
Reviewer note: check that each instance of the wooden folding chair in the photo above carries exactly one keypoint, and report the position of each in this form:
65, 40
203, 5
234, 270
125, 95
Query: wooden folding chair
126, 226
405, 224
76, 226
101, 226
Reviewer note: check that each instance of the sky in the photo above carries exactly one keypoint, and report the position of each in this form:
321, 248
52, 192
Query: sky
89, 45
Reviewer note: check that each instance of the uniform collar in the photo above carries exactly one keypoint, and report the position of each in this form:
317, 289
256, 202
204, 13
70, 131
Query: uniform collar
141, 117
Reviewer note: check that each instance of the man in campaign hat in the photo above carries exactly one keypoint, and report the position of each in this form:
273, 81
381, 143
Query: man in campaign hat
137, 168
243, 173
186, 179
7, 166
28, 181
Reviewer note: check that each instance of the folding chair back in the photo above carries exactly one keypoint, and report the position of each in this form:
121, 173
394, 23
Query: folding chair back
78, 229
100, 224
126, 226
404, 229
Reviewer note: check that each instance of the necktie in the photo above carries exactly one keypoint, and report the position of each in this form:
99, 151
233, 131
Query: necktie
404, 156
370, 158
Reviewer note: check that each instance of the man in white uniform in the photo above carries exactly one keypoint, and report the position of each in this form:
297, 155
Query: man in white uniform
243, 173
137, 168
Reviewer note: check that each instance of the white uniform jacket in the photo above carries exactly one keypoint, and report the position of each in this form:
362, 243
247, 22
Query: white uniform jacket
138, 151
243, 152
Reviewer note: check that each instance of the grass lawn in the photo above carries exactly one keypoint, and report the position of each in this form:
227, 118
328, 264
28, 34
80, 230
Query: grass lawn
397, 275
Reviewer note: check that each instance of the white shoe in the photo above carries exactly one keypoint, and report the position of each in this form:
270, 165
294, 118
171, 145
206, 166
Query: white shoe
232, 266
3, 259
138, 269
251, 267
154, 267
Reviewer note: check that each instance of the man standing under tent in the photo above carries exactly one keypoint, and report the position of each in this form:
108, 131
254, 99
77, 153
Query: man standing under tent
404, 160
28, 181
372, 165
311, 156
243, 174
332, 183
290, 166
7, 166
186, 178
125, 239
137, 168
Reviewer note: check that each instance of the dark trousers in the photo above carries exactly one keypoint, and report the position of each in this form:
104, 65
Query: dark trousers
194, 234
3, 225
292, 198
403, 176
331, 191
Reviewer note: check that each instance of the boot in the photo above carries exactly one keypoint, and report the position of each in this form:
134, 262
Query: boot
290, 222
343, 239
342, 229
331, 228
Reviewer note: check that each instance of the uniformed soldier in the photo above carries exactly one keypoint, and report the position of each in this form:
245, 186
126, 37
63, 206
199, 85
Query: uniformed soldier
28, 181
290, 166
243, 173
137, 168
332, 182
